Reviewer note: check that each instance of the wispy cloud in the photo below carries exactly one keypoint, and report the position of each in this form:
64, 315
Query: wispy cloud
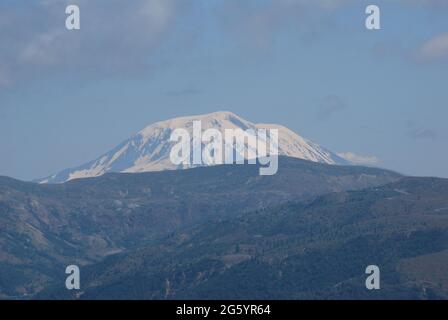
122, 36
183, 92
435, 49
115, 36
418, 132
436, 4
330, 105
258, 23
42, 49
422, 134
359, 159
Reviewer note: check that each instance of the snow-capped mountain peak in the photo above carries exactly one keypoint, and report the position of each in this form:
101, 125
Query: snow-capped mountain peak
149, 149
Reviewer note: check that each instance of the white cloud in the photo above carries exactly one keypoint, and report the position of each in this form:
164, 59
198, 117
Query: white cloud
121, 37
115, 37
359, 159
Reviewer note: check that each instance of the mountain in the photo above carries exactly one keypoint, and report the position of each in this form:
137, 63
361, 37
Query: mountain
312, 249
45, 227
149, 149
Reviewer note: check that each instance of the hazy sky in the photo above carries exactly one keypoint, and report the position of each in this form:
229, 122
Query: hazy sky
68, 96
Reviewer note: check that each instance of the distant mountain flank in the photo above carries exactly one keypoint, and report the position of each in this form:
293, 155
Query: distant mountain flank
149, 149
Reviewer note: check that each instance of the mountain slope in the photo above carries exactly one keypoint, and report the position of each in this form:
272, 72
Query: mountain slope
45, 227
302, 250
149, 149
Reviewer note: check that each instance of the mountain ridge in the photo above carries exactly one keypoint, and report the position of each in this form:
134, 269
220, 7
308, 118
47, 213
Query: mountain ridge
46, 227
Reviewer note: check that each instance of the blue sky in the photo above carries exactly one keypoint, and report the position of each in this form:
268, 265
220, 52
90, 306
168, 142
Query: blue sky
68, 96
